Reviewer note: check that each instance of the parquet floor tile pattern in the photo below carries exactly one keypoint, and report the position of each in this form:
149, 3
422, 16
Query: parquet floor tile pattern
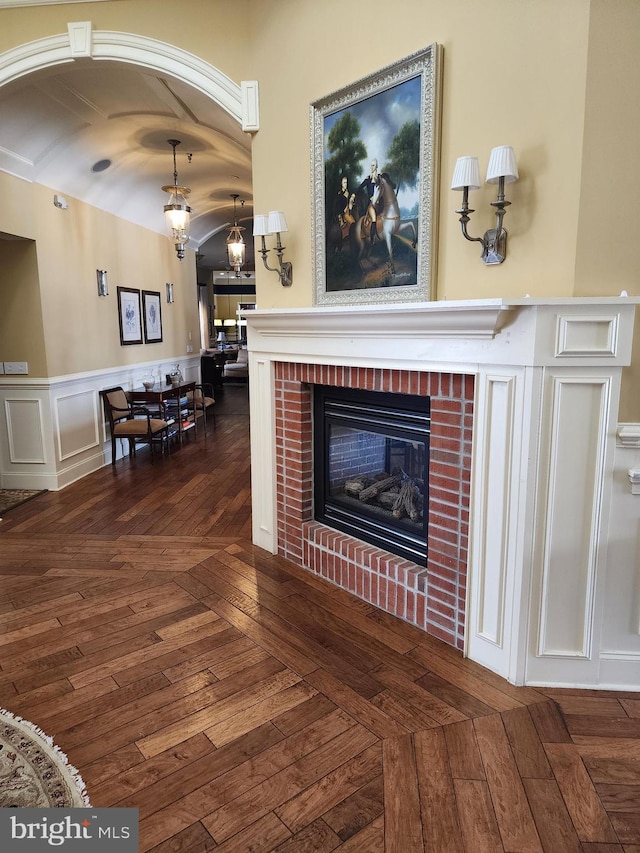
242, 704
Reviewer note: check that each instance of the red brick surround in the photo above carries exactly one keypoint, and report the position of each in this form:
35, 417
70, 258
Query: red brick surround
433, 598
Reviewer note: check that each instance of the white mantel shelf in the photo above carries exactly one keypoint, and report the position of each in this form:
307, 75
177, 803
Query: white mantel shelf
464, 318
463, 332
547, 384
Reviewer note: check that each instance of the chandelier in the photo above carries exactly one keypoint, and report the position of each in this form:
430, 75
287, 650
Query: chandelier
177, 210
235, 243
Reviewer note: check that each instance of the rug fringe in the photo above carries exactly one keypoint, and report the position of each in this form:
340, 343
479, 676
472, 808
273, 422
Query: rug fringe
75, 775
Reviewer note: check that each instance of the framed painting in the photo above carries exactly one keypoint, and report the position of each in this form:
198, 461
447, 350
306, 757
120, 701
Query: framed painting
129, 316
375, 148
152, 316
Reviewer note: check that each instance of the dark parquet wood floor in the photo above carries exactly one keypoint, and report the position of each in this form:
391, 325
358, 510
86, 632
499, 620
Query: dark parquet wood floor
243, 705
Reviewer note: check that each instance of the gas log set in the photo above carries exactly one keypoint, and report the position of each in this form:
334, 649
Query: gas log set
398, 494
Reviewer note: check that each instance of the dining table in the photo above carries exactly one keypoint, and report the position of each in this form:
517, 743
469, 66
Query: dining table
171, 402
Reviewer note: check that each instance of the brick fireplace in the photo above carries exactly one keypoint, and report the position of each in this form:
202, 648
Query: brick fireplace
524, 399
431, 597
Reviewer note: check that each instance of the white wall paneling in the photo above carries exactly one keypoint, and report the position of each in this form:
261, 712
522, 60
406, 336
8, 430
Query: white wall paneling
76, 418
53, 430
491, 503
263, 485
25, 430
571, 504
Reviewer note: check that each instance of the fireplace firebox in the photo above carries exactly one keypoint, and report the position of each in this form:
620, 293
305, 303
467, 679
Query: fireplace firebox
371, 463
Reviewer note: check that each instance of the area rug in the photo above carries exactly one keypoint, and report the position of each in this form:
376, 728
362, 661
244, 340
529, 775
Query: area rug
34, 772
11, 498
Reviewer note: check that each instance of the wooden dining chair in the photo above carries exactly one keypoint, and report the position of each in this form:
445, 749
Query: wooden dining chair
202, 400
134, 423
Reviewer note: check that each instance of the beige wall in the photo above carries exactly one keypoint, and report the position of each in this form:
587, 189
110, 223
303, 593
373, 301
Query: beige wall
81, 329
21, 322
608, 249
557, 79
514, 73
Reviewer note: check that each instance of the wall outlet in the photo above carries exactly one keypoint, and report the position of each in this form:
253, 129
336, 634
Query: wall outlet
12, 367
189, 348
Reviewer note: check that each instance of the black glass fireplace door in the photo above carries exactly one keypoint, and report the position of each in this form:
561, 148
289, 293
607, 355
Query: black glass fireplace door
371, 462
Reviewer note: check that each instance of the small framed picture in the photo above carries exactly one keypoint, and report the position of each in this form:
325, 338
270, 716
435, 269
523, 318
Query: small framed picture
129, 316
152, 316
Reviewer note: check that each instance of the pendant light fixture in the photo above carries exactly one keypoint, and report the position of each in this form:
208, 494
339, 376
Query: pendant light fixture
235, 243
177, 211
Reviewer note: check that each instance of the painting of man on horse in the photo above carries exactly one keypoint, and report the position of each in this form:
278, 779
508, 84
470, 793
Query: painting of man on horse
372, 231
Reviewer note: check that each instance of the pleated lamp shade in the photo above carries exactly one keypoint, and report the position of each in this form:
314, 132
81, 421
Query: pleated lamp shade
261, 225
277, 222
502, 164
466, 174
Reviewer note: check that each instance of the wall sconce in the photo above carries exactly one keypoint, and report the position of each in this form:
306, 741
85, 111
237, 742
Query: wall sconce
103, 288
502, 169
169, 292
274, 223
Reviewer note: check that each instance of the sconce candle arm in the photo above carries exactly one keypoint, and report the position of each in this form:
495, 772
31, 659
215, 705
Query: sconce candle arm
464, 212
494, 241
500, 203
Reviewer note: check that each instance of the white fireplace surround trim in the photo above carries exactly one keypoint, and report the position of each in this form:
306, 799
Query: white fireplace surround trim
547, 392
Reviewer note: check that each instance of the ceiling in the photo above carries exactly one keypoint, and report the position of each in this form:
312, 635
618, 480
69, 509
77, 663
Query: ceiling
99, 133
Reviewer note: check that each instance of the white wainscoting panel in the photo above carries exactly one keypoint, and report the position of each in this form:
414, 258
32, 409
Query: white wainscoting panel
491, 534
53, 433
573, 491
25, 431
263, 481
76, 418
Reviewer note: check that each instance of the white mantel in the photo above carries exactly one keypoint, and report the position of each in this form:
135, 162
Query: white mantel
547, 389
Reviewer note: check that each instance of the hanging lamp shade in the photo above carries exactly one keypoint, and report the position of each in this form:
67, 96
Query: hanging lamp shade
235, 242
177, 211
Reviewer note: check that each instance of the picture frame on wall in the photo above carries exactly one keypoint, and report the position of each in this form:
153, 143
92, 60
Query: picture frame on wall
375, 157
129, 316
152, 316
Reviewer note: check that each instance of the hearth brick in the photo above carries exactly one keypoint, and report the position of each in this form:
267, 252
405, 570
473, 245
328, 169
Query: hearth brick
432, 597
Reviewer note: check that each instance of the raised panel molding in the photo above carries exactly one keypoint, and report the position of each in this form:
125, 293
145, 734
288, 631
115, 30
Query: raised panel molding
76, 417
491, 523
572, 494
25, 431
587, 336
250, 106
263, 481
80, 38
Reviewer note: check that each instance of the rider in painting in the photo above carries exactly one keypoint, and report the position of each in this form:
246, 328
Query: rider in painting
371, 186
343, 207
